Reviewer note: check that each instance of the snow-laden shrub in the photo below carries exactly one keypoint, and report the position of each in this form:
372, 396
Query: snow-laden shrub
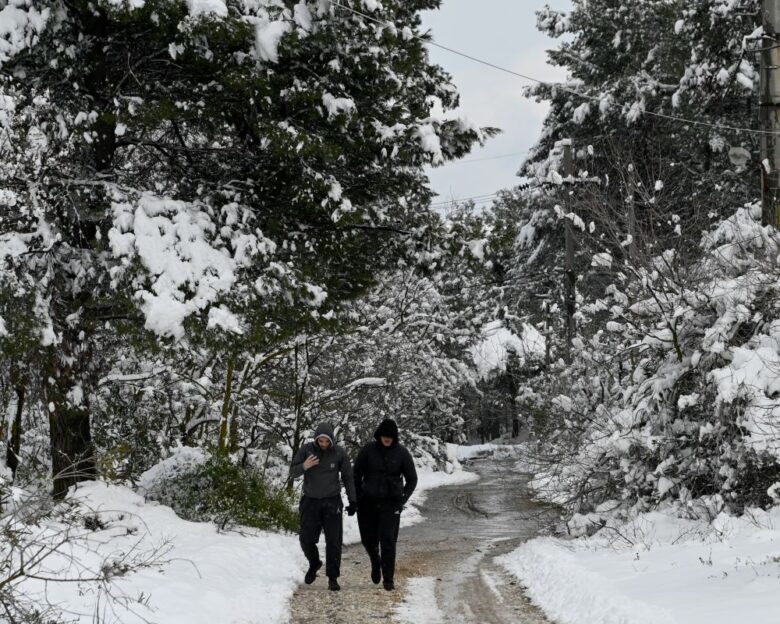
429, 452
675, 397
218, 489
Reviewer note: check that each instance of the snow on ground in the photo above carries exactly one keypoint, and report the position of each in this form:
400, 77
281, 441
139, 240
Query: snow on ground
194, 573
658, 569
491, 449
200, 575
419, 604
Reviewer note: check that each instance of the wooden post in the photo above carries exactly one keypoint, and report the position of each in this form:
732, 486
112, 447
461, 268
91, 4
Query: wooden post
770, 113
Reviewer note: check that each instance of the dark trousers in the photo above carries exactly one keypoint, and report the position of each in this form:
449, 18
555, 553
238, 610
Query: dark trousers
317, 515
378, 521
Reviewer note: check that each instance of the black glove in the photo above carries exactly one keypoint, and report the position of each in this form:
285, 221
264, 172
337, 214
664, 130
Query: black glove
351, 508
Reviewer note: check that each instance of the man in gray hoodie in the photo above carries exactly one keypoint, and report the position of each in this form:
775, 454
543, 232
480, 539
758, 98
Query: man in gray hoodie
321, 462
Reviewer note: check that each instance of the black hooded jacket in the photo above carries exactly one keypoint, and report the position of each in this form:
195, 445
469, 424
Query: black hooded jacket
385, 472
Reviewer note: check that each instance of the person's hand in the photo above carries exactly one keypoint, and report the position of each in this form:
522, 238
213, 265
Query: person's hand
310, 462
351, 508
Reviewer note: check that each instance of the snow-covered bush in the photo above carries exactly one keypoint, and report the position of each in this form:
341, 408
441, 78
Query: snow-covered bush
429, 453
221, 490
675, 397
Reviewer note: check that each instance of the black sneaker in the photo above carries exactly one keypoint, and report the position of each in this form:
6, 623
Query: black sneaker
389, 585
333, 584
376, 570
311, 573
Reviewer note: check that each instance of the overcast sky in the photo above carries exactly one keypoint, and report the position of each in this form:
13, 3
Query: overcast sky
502, 32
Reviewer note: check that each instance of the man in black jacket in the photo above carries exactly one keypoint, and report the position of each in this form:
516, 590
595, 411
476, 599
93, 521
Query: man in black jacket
385, 478
321, 462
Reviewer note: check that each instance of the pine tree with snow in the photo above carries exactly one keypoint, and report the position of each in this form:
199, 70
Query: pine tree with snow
655, 95
202, 165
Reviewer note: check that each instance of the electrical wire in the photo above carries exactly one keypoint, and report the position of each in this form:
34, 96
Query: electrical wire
585, 96
447, 202
488, 197
471, 160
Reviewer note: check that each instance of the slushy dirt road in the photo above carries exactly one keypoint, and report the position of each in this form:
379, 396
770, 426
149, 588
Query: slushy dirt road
446, 572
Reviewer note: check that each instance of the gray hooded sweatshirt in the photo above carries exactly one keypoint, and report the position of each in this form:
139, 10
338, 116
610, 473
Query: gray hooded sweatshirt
322, 480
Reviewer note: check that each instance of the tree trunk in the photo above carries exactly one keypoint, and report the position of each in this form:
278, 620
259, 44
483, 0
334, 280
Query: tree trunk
13, 446
224, 424
233, 446
72, 451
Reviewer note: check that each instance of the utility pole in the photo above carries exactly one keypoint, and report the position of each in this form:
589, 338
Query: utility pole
570, 296
770, 114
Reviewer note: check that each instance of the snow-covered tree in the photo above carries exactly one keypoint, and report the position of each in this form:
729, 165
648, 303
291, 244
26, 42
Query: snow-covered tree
231, 166
656, 94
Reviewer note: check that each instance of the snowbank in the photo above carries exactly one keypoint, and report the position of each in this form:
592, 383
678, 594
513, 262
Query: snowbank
498, 451
658, 569
196, 575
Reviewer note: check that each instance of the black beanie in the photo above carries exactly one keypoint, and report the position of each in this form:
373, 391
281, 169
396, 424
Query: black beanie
388, 429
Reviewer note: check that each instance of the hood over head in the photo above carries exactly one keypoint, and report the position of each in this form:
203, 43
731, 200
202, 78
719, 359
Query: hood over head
388, 429
325, 429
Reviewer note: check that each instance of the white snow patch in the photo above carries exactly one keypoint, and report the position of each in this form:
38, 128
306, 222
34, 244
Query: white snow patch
164, 314
603, 259
205, 576
664, 570
336, 105
268, 34
75, 396
224, 318
687, 400
419, 605
188, 263
430, 142
477, 249
207, 7
376, 382
581, 113
20, 25
302, 16
569, 593
492, 352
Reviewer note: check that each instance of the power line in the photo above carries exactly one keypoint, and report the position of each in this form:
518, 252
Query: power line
474, 198
471, 160
556, 85
487, 197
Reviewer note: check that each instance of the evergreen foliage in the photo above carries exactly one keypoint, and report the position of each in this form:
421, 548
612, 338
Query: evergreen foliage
667, 399
229, 494
230, 172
